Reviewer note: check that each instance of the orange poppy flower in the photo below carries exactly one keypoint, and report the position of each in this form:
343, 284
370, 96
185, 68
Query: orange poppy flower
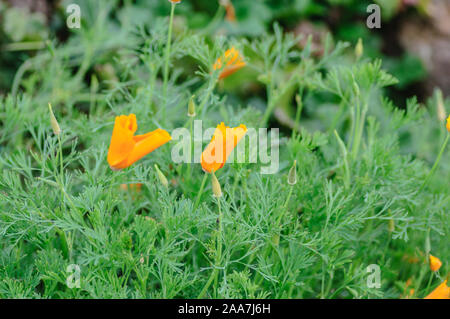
222, 144
435, 263
448, 124
441, 292
175, 1
230, 12
134, 187
125, 148
233, 62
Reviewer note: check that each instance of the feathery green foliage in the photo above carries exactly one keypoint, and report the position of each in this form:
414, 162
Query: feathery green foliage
313, 239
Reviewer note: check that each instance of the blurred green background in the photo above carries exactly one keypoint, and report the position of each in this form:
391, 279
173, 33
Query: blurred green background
413, 41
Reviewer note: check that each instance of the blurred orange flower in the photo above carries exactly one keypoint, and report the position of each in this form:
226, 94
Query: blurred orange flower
448, 124
125, 148
435, 263
222, 144
441, 292
134, 187
233, 62
231, 14
175, 1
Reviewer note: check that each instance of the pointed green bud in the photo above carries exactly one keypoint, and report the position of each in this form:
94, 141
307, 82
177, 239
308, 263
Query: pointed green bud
276, 240
265, 78
53, 121
359, 49
391, 226
161, 177
217, 190
49, 182
292, 177
191, 106
440, 106
298, 100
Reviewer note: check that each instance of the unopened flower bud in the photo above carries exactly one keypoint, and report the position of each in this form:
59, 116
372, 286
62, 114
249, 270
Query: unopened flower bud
292, 177
440, 106
276, 239
359, 49
161, 177
435, 263
53, 121
265, 78
191, 106
217, 190
391, 226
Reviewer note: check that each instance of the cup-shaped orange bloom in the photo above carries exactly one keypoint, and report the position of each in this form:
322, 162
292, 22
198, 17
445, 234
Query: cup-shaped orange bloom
441, 292
448, 123
175, 1
435, 263
222, 144
126, 148
233, 61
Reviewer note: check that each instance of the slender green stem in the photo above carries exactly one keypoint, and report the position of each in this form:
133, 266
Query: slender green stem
358, 128
67, 248
199, 195
208, 283
298, 113
61, 159
219, 245
268, 112
167, 58
215, 272
191, 148
344, 153
212, 85
24, 46
289, 197
152, 81
436, 163
285, 205
429, 281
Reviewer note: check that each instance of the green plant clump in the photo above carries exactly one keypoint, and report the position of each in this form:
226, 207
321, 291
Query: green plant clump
361, 192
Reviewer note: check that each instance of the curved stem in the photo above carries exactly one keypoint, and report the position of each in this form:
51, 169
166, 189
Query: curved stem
436, 163
215, 272
167, 58
210, 89
199, 195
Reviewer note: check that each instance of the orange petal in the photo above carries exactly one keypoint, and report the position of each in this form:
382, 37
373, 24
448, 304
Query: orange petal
145, 144
435, 263
122, 142
125, 148
441, 292
222, 144
233, 63
231, 13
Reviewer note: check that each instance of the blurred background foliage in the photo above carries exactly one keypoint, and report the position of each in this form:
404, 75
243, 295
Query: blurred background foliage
26, 25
